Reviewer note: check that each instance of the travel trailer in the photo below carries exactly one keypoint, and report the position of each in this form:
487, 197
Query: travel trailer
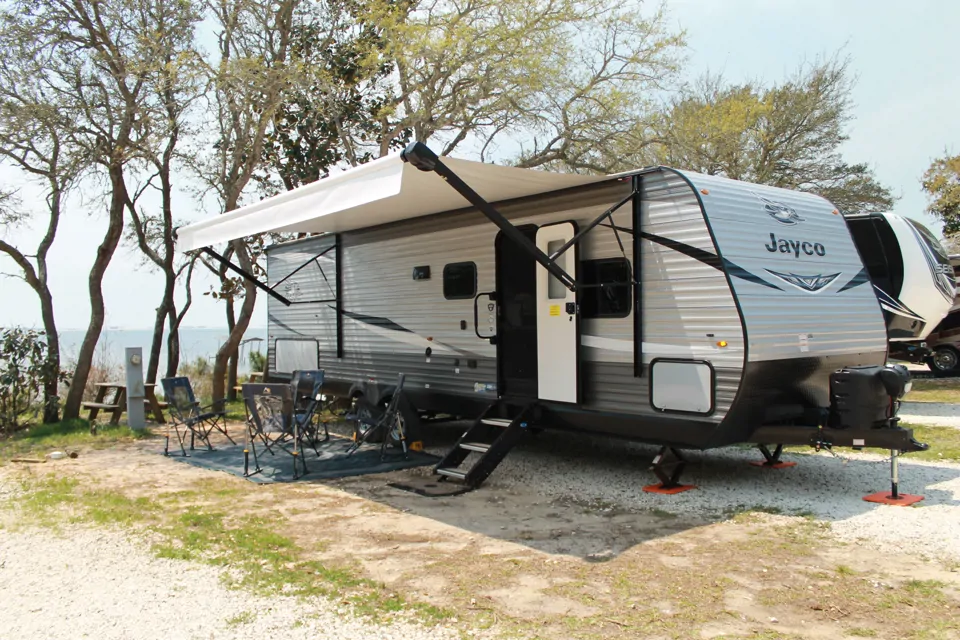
915, 282
659, 306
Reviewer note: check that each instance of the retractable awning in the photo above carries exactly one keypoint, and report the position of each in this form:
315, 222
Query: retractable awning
382, 191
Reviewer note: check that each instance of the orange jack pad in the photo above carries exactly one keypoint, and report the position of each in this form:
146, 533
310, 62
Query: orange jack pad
776, 465
883, 497
659, 488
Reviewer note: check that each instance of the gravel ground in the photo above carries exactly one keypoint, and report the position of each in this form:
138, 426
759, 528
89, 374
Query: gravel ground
610, 472
88, 583
938, 414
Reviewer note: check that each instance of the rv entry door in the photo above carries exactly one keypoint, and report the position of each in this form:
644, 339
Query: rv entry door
558, 319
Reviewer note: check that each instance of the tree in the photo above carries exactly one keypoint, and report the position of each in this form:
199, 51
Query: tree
92, 58
23, 373
250, 71
33, 140
942, 184
786, 135
173, 85
563, 76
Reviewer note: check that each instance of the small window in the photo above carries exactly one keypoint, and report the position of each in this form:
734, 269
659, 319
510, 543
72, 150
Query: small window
459, 280
607, 288
556, 289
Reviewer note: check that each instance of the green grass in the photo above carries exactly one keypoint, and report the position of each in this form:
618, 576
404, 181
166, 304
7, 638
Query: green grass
261, 560
935, 390
65, 435
944, 442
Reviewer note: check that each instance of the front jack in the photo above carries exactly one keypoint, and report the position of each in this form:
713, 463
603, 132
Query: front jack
894, 497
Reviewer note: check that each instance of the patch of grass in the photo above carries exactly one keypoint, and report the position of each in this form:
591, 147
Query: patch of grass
261, 560
944, 442
67, 434
844, 570
925, 588
244, 617
862, 632
235, 410
935, 390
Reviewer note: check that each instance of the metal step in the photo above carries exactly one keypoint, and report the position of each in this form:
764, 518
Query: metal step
497, 422
479, 447
452, 473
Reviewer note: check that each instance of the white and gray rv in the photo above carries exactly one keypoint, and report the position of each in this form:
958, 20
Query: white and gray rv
660, 306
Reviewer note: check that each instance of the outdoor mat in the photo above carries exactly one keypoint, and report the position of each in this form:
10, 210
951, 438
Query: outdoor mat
332, 462
430, 487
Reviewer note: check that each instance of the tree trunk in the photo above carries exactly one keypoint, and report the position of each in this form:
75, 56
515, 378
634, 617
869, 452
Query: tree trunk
173, 345
118, 200
230, 394
156, 345
51, 383
242, 322
232, 374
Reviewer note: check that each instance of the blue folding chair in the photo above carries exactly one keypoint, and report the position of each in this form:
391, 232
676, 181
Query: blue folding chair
188, 416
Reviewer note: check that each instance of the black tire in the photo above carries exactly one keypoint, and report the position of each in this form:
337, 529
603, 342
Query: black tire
944, 360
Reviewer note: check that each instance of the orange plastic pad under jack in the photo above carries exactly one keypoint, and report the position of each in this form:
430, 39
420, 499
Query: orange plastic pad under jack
775, 465
885, 497
659, 488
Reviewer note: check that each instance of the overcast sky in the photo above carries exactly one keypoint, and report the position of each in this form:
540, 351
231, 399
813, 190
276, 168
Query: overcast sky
907, 97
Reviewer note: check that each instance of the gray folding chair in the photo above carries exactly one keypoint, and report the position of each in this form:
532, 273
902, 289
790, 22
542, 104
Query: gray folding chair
188, 416
271, 423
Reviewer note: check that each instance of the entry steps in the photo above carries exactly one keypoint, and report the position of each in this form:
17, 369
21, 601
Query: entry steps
492, 437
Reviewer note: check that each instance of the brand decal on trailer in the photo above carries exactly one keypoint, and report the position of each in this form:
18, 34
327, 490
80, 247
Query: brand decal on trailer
779, 211
807, 283
796, 247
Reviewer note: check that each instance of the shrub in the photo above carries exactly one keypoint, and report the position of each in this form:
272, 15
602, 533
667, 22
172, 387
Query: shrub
258, 362
23, 370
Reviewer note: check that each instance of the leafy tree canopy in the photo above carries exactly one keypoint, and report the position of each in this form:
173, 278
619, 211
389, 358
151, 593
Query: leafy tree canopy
785, 135
942, 184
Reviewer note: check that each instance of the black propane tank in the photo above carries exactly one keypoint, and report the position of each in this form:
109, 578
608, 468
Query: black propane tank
865, 397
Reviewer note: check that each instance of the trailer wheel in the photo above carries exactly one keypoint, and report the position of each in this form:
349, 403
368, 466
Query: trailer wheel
943, 360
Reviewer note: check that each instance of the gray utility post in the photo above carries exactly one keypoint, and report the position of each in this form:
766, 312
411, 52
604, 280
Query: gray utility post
136, 395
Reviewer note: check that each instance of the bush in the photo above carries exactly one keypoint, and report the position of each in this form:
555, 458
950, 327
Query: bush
258, 362
23, 370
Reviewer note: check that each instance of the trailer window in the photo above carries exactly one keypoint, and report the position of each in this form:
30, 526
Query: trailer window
459, 280
606, 288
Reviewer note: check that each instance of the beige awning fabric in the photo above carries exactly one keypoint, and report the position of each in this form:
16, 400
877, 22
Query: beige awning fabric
382, 191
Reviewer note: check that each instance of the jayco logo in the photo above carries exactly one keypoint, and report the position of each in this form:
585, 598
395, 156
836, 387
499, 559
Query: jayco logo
779, 211
796, 247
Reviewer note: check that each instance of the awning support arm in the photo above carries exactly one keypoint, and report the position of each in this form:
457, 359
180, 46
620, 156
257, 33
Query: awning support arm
590, 227
423, 158
244, 274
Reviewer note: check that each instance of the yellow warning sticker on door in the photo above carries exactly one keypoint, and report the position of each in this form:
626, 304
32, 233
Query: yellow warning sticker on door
554, 309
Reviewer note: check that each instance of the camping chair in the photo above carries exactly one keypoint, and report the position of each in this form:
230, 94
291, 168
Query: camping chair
189, 416
309, 404
369, 421
273, 421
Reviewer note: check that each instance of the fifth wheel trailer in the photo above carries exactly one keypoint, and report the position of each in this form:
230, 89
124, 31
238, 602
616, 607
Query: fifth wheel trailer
913, 277
660, 306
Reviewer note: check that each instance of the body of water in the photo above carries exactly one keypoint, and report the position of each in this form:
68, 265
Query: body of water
194, 343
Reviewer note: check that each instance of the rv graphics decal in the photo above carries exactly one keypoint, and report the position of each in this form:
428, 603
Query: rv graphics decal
796, 247
893, 305
779, 211
813, 284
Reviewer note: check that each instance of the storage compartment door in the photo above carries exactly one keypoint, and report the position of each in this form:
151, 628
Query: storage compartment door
558, 322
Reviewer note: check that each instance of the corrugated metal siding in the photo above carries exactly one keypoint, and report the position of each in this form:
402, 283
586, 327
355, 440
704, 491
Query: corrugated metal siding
687, 305
837, 323
683, 299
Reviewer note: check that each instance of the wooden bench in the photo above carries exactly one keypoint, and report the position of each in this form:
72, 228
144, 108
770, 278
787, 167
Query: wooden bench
119, 402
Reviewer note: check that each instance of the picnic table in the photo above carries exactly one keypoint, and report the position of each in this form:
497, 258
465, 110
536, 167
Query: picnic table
118, 401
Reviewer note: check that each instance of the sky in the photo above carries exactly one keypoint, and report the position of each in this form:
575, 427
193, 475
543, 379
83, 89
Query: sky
904, 116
